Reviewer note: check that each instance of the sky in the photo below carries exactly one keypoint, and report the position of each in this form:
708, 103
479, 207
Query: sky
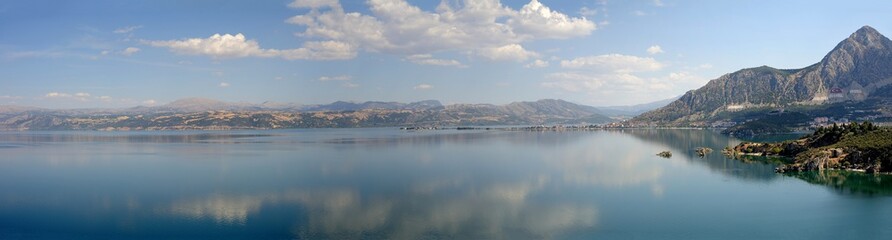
114, 53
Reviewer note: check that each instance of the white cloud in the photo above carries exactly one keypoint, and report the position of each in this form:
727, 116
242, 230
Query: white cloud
511, 52
314, 4
614, 63
218, 46
81, 96
539, 63
659, 3
57, 95
105, 98
150, 102
423, 87
639, 13
8, 97
655, 49
588, 12
618, 79
129, 51
537, 20
224, 84
594, 83
336, 78
350, 85
397, 27
573, 82
127, 29
236, 46
705, 66
427, 59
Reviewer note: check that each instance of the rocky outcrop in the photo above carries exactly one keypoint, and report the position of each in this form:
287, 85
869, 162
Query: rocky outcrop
702, 151
860, 147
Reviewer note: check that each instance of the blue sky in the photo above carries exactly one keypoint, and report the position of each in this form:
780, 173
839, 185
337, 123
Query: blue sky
73, 54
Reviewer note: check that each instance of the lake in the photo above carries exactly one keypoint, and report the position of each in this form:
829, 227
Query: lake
394, 184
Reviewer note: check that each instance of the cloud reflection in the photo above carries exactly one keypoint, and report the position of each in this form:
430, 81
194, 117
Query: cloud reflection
496, 211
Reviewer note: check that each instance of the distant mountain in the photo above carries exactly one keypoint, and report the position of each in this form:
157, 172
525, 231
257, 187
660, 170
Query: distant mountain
635, 110
547, 111
852, 72
203, 104
8, 109
197, 113
350, 106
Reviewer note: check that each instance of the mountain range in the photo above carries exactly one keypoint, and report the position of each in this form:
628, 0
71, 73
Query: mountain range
856, 73
199, 113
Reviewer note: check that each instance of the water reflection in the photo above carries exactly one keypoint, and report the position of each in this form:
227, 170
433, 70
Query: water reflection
375, 183
684, 142
848, 182
496, 212
146, 137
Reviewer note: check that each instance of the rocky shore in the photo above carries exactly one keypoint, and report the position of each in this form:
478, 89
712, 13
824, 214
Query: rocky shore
856, 147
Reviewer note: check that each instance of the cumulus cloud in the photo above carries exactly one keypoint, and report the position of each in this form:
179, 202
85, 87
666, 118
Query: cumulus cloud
150, 102
588, 12
510, 52
614, 63
538, 63
127, 29
236, 46
537, 20
8, 97
423, 87
615, 76
224, 84
80, 96
397, 27
336, 78
314, 4
659, 3
427, 59
129, 51
655, 49
57, 95
573, 82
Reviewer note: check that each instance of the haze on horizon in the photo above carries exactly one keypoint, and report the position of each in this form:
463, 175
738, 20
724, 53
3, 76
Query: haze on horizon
598, 52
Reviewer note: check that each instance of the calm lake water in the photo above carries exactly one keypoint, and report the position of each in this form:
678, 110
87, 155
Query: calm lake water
387, 183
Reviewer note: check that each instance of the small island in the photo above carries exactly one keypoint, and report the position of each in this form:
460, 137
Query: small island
854, 146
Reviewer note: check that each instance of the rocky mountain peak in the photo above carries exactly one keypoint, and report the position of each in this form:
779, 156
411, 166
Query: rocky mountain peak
869, 37
865, 42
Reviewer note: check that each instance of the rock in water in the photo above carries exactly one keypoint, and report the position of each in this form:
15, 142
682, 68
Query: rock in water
702, 151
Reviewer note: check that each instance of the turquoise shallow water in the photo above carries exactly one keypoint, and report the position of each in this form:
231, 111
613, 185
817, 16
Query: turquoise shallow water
387, 183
